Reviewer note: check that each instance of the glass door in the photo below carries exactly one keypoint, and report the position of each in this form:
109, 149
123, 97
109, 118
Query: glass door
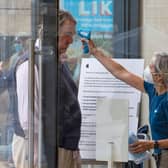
28, 63
109, 23
15, 42
40, 85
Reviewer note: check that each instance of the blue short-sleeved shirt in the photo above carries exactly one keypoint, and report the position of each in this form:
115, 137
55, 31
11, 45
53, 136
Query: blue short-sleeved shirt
158, 117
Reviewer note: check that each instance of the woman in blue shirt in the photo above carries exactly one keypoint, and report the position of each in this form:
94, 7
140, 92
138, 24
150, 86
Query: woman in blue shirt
158, 100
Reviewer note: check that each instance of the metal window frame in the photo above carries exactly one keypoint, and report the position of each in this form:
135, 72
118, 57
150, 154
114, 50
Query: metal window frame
126, 20
45, 13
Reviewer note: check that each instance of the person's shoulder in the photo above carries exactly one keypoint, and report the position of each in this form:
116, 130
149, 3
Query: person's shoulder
165, 102
24, 66
149, 87
165, 97
148, 84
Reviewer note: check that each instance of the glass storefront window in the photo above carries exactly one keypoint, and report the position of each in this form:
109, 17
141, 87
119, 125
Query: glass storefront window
124, 29
110, 23
20, 26
96, 18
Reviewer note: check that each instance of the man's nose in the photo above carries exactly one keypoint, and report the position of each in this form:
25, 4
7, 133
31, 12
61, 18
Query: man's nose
70, 40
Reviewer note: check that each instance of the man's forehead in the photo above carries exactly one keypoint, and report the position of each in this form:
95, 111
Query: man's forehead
68, 23
68, 26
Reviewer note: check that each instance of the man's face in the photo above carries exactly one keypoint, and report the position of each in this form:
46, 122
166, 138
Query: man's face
66, 33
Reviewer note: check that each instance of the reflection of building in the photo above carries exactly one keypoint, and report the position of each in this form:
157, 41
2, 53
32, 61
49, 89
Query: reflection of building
5, 50
15, 17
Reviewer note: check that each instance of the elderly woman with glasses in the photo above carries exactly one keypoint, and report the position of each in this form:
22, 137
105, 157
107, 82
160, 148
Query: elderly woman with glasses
158, 100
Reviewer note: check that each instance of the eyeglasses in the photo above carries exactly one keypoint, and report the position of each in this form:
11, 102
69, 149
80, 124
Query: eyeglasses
158, 74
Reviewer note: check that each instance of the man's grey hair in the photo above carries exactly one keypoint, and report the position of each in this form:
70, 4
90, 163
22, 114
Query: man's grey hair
64, 15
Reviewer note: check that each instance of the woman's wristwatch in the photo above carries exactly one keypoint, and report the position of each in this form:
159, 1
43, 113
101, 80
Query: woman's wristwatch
156, 144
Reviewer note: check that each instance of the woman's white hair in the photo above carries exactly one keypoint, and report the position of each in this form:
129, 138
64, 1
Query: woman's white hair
160, 63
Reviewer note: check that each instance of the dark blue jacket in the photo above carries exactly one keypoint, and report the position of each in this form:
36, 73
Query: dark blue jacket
69, 111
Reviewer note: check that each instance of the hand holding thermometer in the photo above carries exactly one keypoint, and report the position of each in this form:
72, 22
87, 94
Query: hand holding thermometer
86, 35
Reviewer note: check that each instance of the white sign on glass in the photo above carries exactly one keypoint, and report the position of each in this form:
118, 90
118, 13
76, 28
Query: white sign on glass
112, 128
95, 83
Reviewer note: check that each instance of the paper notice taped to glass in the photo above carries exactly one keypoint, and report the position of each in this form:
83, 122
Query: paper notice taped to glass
112, 127
97, 83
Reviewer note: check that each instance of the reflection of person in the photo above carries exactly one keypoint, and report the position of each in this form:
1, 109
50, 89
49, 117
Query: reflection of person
20, 142
69, 110
19, 47
7, 81
158, 102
